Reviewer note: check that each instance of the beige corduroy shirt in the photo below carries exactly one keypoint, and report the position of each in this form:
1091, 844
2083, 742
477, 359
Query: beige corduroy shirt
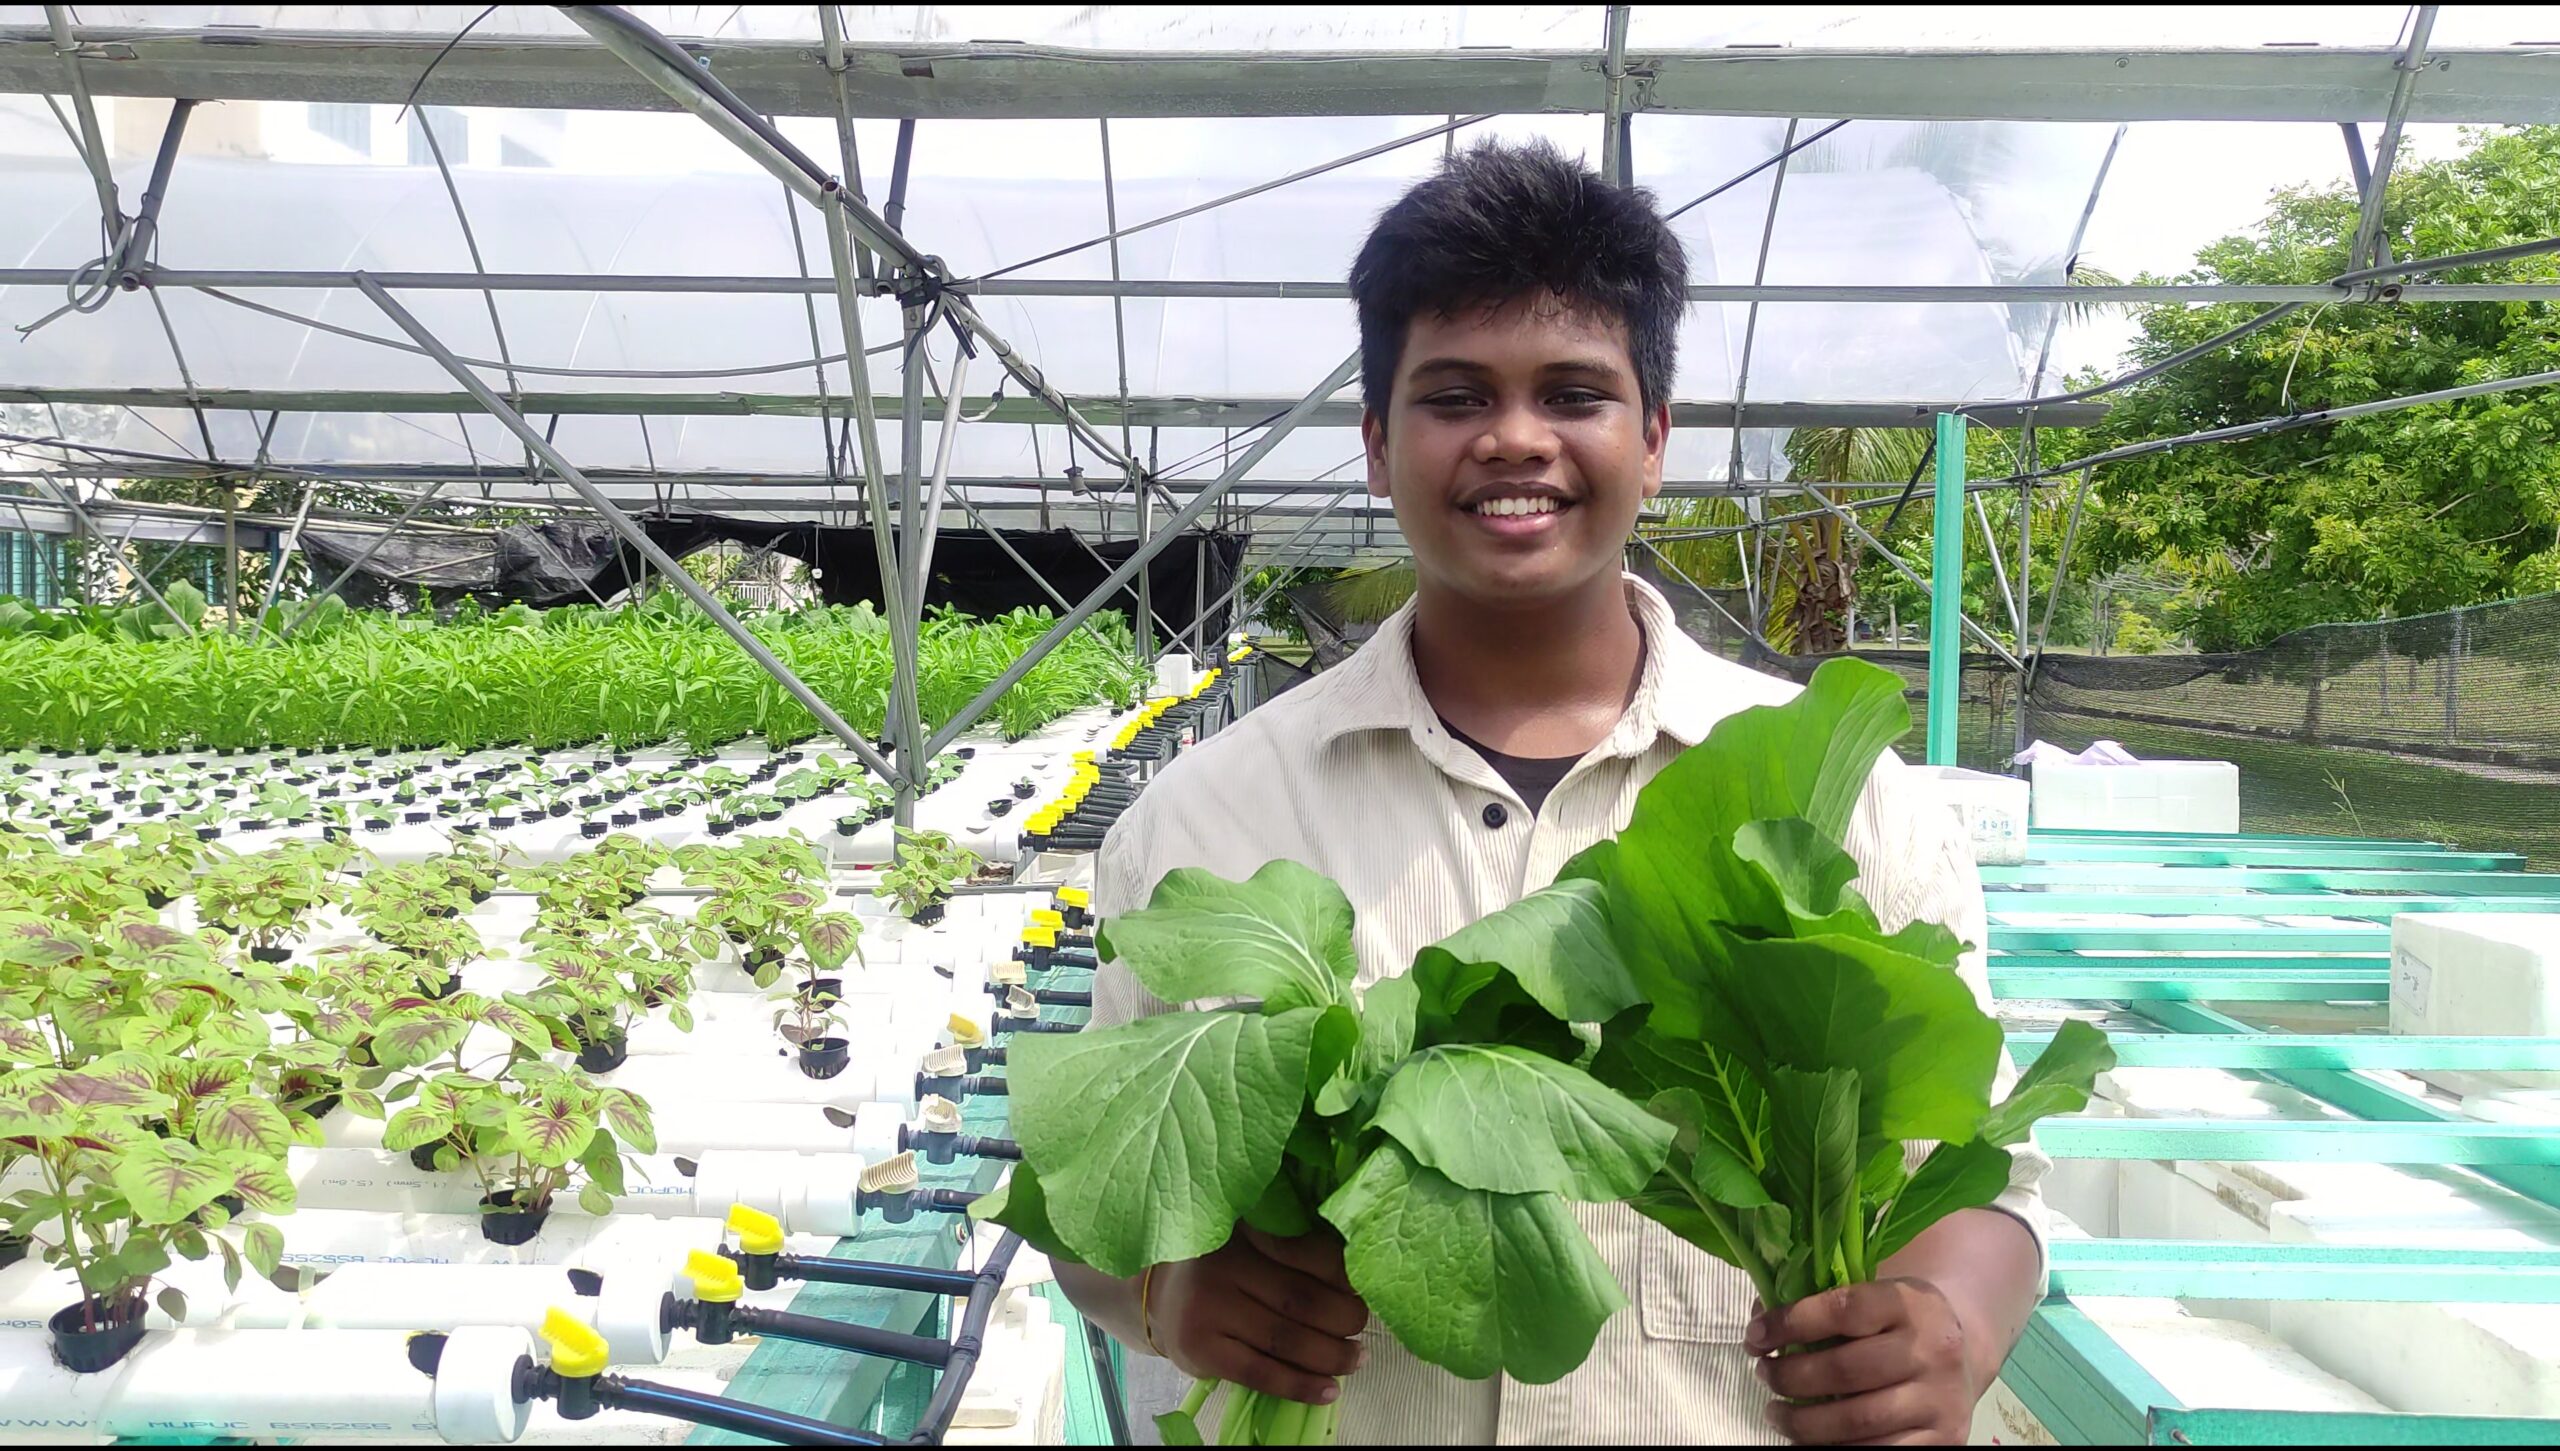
1353, 775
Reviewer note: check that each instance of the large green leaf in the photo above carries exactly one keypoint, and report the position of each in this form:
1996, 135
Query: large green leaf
1387, 1009
1813, 1140
242, 1121
1923, 1050
550, 1135
2059, 1081
1510, 1121
518, 1024
418, 1035
415, 1125
830, 938
1282, 936
1673, 879
1153, 1138
30, 939
1474, 1282
163, 1187
1018, 1205
1954, 1176
1732, 1111
1719, 1173
1555, 943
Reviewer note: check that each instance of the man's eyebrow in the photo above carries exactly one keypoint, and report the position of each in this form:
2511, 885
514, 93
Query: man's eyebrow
1600, 367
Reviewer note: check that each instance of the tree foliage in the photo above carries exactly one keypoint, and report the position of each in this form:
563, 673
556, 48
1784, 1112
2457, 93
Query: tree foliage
2392, 515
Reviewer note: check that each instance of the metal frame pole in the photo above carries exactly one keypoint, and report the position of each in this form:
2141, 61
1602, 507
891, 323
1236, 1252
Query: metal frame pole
2413, 59
1613, 114
92, 141
621, 524
920, 549
284, 553
1278, 554
1946, 593
1987, 640
1334, 381
70, 501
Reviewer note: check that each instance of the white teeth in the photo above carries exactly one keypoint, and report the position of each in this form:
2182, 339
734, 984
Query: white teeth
1506, 507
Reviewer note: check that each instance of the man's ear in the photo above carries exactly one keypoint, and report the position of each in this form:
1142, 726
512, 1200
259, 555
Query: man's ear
1373, 442
1657, 443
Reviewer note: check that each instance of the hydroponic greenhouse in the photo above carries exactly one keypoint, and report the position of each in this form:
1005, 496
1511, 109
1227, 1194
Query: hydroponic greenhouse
583, 588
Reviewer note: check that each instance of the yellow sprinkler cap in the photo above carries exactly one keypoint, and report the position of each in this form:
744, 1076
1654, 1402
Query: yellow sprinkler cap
715, 1277
577, 1351
1048, 917
965, 1032
1040, 936
1082, 757
1075, 896
758, 1233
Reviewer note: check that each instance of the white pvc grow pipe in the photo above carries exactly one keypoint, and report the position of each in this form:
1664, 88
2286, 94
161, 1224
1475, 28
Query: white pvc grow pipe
810, 1194
631, 1243
261, 1383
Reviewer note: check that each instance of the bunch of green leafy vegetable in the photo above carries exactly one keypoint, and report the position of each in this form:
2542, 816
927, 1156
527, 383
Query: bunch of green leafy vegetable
1759, 1052
1804, 1055
1436, 1121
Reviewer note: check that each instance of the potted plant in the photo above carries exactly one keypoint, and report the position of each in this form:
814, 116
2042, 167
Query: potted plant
528, 1132
266, 898
929, 865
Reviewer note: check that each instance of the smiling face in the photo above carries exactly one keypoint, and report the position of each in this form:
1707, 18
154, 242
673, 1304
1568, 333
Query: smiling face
1516, 448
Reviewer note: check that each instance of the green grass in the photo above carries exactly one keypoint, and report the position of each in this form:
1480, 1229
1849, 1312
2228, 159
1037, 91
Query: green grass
2286, 787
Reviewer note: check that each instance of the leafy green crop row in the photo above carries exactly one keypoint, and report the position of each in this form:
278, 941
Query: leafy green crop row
525, 677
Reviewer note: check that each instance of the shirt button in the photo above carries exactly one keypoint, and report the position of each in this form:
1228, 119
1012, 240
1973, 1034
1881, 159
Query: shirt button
1494, 815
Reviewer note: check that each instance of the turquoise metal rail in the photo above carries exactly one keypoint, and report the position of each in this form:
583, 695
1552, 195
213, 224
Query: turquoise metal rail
2066, 1369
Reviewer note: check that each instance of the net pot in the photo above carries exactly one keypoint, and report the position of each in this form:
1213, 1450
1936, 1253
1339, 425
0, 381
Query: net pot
606, 1056
825, 1057
502, 1223
86, 1351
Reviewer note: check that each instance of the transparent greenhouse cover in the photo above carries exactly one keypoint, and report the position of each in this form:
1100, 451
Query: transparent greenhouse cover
1876, 202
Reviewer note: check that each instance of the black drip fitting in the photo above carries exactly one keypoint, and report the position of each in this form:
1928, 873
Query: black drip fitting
716, 1322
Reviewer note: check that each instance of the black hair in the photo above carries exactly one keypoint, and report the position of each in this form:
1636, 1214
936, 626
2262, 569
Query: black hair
1499, 222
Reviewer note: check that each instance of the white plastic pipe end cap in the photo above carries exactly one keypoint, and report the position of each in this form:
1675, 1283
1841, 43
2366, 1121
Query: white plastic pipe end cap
476, 1401
630, 1315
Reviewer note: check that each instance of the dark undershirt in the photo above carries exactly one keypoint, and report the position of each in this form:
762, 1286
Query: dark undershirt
1532, 776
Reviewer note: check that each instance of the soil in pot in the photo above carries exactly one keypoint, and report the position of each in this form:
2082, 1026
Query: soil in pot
606, 1056
502, 1223
89, 1336
825, 1057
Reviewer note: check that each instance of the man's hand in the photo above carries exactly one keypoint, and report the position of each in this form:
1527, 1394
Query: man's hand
1898, 1377
1276, 1315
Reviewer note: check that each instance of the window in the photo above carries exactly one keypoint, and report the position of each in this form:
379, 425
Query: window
348, 124
453, 134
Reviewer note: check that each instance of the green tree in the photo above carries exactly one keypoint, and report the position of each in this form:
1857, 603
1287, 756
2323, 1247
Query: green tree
2396, 514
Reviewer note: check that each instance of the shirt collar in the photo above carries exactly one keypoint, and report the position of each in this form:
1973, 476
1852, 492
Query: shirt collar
1378, 689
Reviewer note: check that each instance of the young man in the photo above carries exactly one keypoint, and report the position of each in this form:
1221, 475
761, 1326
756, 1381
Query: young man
1518, 319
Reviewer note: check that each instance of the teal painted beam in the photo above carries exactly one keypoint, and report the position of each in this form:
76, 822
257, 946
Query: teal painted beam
1946, 593
2079, 1381
2136, 876
2340, 1141
2226, 838
2336, 1052
2134, 985
2205, 964
2000, 900
2181, 1426
2275, 856
2355, 1094
2190, 937
2238, 1270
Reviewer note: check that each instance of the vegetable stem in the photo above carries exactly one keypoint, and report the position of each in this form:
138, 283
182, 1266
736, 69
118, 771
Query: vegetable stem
1762, 1281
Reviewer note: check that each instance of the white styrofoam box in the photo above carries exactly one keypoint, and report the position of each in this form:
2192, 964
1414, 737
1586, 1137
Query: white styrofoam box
1993, 809
2149, 796
2478, 1360
2467, 974
2200, 1359
1018, 1394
